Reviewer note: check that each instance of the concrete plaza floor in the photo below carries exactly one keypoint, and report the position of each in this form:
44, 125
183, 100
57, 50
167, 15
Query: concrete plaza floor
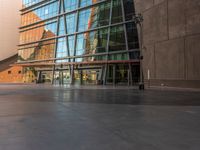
44, 117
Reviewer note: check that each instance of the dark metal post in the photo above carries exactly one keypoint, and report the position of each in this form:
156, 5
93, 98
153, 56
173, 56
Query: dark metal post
114, 74
138, 19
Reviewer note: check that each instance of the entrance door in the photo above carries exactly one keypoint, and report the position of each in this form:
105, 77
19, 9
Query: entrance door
90, 76
117, 74
46, 77
87, 76
62, 77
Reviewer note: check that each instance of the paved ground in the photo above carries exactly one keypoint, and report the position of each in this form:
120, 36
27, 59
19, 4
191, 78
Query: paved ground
38, 117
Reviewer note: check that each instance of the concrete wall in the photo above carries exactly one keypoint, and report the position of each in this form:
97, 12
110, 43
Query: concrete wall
10, 21
172, 41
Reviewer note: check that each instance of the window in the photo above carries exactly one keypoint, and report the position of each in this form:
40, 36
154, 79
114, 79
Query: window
71, 45
129, 9
117, 39
61, 49
39, 14
84, 20
117, 12
88, 2
94, 17
71, 23
70, 5
61, 26
132, 36
38, 33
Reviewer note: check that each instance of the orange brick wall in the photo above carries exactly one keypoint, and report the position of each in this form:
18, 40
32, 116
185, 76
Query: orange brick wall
13, 77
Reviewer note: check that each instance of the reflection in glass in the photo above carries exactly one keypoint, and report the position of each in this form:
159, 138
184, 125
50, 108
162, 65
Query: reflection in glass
85, 3
117, 11
71, 45
84, 20
129, 9
40, 51
88, 2
117, 39
61, 26
40, 13
123, 56
70, 5
92, 42
61, 49
38, 33
94, 17
132, 33
27, 3
71, 23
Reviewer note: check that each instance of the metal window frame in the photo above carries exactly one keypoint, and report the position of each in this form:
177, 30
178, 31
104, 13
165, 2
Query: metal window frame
76, 33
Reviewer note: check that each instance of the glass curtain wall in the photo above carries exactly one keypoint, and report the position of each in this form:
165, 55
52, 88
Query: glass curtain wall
80, 31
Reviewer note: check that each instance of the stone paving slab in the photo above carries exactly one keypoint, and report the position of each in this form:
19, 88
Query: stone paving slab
42, 117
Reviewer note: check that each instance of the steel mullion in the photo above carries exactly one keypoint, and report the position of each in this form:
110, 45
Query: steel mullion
56, 42
79, 56
76, 30
108, 41
65, 26
126, 41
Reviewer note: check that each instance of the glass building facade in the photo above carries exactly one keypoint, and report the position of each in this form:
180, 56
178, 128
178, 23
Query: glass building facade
79, 42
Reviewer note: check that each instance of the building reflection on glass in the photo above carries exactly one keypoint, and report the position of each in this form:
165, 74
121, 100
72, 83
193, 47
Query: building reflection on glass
79, 41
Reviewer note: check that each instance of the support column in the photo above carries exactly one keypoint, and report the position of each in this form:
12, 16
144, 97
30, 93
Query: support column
126, 40
105, 73
114, 75
130, 74
39, 76
72, 74
107, 46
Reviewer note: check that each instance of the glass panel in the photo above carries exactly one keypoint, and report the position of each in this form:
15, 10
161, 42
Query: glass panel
94, 17
71, 45
103, 14
121, 74
41, 13
38, 33
117, 12
26, 54
100, 40
71, 23
102, 57
45, 50
27, 3
135, 55
84, 20
42, 50
70, 5
117, 39
129, 9
88, 2
61, 50
89, 76
61, 26
80, 47
85, 3
123, 56
92, 42
132, 36
29, 74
